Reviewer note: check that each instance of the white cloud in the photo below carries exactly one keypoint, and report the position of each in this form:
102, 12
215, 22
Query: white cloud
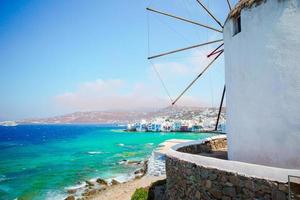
178, 74
115, 94
171, 69
107, 86
188, 67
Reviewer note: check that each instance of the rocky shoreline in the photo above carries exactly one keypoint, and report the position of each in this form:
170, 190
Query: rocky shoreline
90, 188
151, 168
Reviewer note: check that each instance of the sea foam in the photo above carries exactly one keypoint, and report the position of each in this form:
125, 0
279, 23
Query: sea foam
94, 152
55, 195
3, 178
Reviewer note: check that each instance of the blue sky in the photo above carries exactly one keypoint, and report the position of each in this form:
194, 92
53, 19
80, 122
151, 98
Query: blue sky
64, 56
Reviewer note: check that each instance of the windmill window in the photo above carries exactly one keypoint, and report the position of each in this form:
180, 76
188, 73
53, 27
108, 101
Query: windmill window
237, 25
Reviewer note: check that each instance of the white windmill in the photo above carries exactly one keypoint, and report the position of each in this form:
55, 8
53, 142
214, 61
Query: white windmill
261, 46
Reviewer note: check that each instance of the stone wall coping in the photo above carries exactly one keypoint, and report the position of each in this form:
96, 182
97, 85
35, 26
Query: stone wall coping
241, 168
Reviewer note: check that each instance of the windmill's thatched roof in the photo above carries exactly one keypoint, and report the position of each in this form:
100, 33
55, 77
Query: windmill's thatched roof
244, 4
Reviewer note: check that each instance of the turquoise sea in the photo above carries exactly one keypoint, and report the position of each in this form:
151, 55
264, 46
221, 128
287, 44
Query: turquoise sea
40, 161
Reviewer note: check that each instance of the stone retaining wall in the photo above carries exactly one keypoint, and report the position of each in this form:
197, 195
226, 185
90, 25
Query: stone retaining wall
187, 180
205, 147
197, 180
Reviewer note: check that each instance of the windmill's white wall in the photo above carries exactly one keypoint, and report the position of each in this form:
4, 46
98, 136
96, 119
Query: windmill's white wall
263, 85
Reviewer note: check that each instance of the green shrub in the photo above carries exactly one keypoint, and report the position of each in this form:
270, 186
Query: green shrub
140, 194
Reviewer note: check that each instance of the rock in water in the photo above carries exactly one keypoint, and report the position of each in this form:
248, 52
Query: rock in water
72, 191
101, 181
115, 182
89, 192
89, 183
134, 162
121, 162
70, 198
139, 171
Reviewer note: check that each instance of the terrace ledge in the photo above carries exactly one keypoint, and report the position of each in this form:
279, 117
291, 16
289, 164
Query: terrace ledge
241, 168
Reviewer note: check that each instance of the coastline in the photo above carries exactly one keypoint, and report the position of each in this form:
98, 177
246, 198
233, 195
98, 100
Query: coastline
149, 171
116, 188
85, 153
121, 187
96, 186
124, 191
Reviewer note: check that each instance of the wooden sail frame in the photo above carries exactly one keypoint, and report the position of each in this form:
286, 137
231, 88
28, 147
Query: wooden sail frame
183, 49
183, 19
220, 108
197, 77
215, 51
229, 5
204, 7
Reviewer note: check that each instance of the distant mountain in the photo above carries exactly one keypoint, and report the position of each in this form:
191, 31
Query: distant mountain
119, 117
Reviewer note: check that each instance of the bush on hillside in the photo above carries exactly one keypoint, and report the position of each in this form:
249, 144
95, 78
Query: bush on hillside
140, 194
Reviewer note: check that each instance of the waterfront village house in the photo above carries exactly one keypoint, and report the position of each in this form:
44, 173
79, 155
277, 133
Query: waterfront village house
184, 128
262, 75
142, 126
154, 127
176, 126
166, 126
196, 128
